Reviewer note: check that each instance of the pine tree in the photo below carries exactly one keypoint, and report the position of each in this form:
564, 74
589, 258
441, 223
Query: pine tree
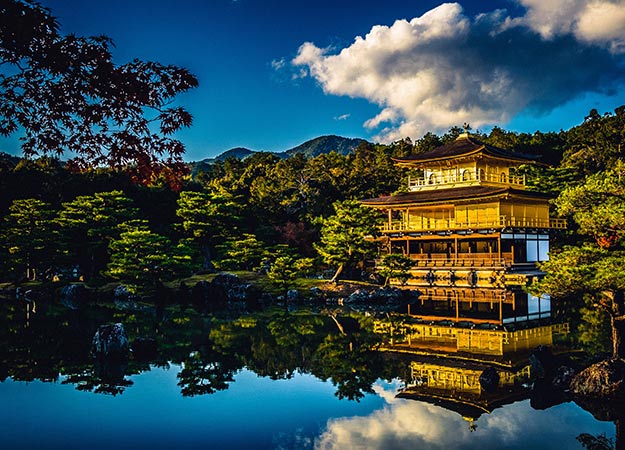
145, 260
89, 223
346, 236
29, 238
208, 218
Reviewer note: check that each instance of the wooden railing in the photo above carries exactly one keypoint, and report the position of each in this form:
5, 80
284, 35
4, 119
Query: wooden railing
452, 224
461, 259
464, 178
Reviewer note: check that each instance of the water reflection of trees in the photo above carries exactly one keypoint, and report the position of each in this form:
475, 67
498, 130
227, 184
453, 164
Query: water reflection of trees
210, 351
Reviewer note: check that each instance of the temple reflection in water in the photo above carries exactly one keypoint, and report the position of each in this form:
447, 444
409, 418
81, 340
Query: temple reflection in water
473, 234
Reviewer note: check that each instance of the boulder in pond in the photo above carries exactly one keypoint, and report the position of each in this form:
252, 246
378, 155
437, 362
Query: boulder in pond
74, 296
603, 380
489, 379
110, 341
543, 363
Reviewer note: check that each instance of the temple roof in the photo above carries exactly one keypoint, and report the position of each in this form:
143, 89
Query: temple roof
464, 145
451, 195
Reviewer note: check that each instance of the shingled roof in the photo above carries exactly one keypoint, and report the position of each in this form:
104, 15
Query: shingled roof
448, 195
465, 145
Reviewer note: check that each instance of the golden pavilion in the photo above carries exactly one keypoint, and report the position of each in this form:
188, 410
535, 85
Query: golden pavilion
472, 230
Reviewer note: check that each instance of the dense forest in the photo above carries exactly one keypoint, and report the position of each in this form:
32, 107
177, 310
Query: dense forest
127, 208
245, 214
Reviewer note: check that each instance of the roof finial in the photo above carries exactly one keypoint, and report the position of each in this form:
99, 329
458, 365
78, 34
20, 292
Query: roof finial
465, 134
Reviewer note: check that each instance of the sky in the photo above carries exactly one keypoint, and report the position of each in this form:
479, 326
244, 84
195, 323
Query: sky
274, 74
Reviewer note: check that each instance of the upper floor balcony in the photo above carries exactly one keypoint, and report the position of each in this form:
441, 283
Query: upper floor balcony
464, 178
433, 225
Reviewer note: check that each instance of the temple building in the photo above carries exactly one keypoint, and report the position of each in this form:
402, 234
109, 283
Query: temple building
472, 230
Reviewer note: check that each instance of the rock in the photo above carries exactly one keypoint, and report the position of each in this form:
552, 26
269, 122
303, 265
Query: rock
292, 295
226, 280
605, 380
316, 292
110, 341
358, 296
144, 349
74, 295
563, 377
489, 379
225, 289
387, 294
542, 362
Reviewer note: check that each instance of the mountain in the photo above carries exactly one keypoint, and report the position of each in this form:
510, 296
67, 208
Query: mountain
310, 149
237, 152
325, 144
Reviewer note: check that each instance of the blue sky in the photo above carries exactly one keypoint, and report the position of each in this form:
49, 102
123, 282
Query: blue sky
274, 74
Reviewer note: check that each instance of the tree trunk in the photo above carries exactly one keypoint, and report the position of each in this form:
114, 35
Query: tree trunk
207, 263
335, 278
618, 335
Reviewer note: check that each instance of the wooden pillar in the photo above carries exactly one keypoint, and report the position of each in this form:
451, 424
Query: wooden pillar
390, 219
457, 308
408, 308
456, 250
501, 310
499, 246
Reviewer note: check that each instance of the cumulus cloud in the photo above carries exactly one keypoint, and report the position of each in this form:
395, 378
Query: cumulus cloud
597, 21
445, 68
408, 424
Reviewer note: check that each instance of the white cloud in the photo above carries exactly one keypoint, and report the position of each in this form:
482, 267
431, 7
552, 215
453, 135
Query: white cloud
342, 117
409, 424
444, 68
278, 64
596, 21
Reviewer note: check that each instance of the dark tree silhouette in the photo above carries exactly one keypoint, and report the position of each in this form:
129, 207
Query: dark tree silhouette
65, 95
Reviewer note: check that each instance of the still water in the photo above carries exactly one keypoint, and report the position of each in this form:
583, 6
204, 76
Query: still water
268, 380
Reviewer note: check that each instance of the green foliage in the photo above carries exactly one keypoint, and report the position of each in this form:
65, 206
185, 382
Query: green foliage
598, 205
345, 236
89, 223
28, 237
593, 268
206, 218
286, 269
245, 253
144, 260
594, 332
597, 143
395, 266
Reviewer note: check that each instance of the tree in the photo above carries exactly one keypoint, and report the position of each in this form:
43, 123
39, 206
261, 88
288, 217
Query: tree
597, 143
89, 223
144, 260
594, 267
245, 253
207, 218
28, 236
286, 269
346, 236
67, 95
395, 266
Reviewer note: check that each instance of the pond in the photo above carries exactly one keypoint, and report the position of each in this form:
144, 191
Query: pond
262, 380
